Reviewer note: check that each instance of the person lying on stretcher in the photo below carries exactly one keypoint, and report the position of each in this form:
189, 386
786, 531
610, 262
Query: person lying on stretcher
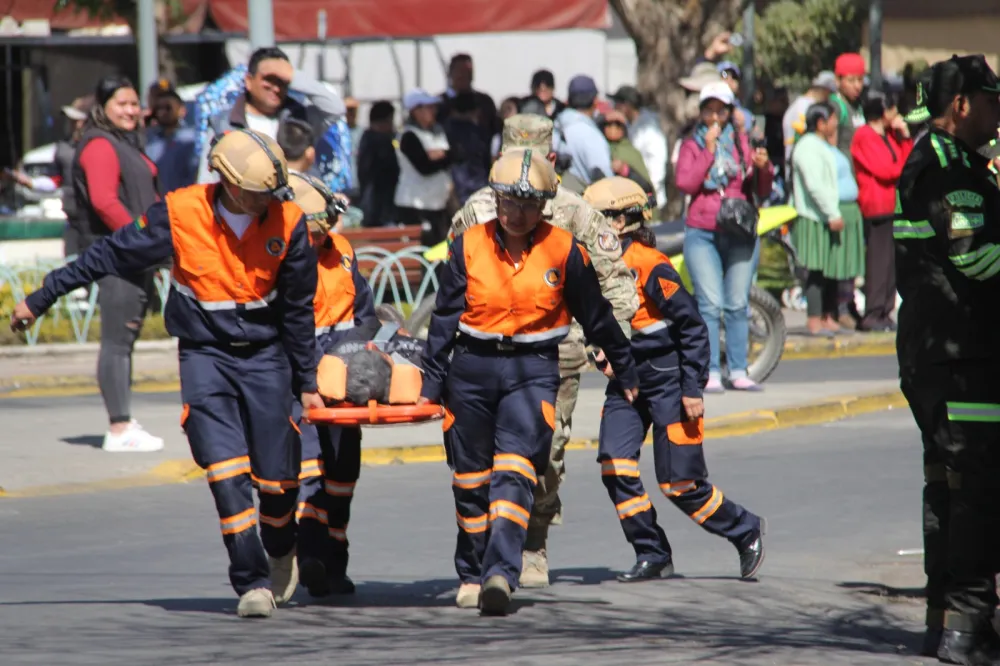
378, 361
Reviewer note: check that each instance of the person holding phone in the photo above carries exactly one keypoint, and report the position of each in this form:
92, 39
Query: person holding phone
716, 161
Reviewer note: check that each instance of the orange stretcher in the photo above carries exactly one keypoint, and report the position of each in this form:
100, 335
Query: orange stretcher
376, 414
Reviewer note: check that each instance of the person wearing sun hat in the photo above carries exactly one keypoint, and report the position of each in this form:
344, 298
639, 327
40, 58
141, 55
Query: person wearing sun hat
946, 231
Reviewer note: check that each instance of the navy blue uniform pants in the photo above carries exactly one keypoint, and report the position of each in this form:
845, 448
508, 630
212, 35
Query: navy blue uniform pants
331, 465
237, 416
679, 460
498, 432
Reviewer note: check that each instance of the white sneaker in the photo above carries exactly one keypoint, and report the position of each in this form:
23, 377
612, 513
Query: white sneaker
132, 440
258, 602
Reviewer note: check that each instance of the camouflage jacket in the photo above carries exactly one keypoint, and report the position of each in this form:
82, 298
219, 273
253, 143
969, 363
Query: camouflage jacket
569, 211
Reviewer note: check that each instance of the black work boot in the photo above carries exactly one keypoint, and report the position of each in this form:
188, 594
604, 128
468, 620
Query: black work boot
752, 553
645, 570
339, 581
313, 576
932, 641
969, 641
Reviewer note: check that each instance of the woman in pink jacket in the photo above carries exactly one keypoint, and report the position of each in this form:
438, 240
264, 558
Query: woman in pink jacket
879, 151
717, 159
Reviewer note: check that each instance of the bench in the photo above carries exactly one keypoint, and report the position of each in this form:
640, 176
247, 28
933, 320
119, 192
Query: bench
392, 240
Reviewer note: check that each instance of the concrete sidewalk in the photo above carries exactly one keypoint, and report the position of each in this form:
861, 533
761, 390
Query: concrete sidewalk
27, 371
51, 444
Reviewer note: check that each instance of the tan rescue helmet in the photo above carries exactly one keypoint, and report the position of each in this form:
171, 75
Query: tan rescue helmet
316, 200
524, 174
252, 161
618, 196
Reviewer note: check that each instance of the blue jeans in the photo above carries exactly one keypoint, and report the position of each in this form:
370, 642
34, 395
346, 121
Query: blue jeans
722, 267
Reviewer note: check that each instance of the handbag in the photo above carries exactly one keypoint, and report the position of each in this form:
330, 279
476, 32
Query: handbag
739, 216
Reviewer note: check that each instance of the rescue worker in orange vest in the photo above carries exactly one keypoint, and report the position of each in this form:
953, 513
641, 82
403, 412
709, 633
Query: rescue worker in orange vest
508, 291
241, 305
670, 348
331, 455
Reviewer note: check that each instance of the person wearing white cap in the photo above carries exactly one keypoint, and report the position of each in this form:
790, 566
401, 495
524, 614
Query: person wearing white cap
717, 161
424, 157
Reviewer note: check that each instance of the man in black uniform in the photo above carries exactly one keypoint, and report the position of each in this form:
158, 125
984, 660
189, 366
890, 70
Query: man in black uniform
947, 233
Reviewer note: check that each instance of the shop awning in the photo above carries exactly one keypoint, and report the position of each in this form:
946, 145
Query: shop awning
296, 20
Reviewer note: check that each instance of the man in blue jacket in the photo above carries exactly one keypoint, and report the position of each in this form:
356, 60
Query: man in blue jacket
580, 140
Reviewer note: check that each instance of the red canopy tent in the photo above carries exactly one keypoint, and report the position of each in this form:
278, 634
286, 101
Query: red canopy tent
296, 20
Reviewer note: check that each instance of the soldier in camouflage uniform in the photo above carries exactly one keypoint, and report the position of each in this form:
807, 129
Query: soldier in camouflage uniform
569, 211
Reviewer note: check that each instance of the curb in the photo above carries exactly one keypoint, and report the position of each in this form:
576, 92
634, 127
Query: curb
72, 348
733, 425
34, 386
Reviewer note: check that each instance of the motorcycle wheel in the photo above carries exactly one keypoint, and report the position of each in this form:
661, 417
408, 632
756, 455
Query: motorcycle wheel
767, 336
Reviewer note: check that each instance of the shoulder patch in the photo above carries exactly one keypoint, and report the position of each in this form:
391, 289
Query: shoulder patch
964, 199
668, 287
141, 222
607, 241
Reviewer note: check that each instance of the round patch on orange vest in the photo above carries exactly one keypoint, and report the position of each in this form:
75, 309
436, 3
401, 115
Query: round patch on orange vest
275, 246
345, 261
552, 277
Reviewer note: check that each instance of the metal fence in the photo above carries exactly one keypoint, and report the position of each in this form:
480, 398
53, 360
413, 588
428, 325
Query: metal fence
388, 280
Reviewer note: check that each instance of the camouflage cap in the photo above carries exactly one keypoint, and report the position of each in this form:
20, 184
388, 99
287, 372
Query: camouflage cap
248, 160
527, 130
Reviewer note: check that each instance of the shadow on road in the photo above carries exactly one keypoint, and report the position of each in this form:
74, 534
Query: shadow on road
95, 441
417, 623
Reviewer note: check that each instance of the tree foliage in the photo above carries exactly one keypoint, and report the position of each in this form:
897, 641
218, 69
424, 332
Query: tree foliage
796, 39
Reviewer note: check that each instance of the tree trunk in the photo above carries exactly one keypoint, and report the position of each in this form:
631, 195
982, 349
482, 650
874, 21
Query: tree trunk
669, 36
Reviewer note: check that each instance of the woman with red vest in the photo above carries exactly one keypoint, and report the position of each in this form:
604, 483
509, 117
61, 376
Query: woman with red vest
114, 183
508, 292
879, 150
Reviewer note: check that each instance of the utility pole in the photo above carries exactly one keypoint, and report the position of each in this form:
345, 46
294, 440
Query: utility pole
145, 43
749, 82
875, 43
260, 23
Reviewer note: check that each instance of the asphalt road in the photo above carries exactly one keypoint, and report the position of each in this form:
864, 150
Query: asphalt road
139, 576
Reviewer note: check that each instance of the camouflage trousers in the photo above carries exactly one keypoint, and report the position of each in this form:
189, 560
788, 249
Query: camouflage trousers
548, 507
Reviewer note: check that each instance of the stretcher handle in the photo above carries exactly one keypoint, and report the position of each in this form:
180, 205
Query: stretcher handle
375, 414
